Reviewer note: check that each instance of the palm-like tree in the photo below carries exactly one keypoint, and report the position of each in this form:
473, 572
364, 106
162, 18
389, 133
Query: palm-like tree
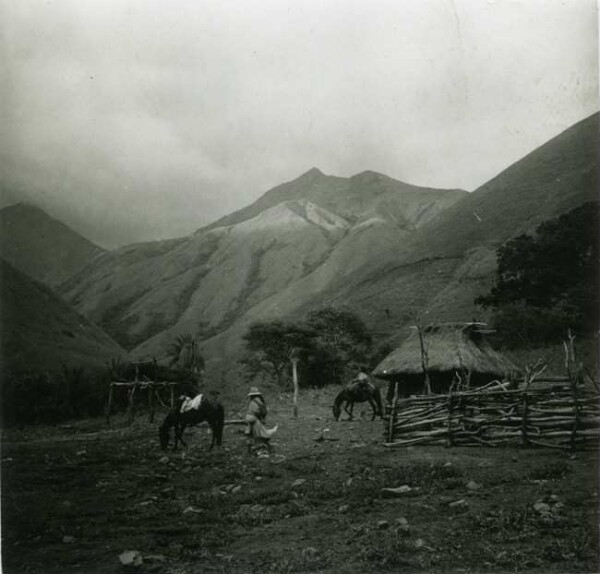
184, 354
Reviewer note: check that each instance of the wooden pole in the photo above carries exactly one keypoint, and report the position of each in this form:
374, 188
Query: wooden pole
109, 405
295, 379
424, 361
150, 403
131, 406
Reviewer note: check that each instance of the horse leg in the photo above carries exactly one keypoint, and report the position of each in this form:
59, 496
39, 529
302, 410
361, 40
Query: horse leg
374, 407
349, 408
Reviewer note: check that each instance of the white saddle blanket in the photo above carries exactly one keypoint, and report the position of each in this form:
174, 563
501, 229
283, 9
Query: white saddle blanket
191, 404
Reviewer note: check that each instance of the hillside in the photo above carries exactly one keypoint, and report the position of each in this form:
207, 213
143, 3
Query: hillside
316, 229
390, 251
451, 260
41, 332
42, 247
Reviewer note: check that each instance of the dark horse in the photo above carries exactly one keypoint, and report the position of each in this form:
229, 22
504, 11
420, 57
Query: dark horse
357, 394
208, 411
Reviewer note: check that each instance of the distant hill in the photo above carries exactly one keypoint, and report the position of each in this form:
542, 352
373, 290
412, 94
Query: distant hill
41, 332
316, 228
42, 247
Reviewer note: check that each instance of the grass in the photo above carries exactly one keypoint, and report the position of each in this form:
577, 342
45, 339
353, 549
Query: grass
114, 490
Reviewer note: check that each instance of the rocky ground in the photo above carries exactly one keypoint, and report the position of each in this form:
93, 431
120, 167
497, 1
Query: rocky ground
330, 498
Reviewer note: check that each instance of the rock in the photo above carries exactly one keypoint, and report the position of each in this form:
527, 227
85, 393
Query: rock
68, 539
447, 464
298, 482
554, 498
382, 524
359, 445
256, 508
541, 507
343, 509
131, 558
236, 489
402, 524
458, 503
164, 460
419, 543
192, 510
258, 478
472, 485
399, 491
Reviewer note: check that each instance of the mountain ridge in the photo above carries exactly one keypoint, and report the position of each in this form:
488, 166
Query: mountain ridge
41, 246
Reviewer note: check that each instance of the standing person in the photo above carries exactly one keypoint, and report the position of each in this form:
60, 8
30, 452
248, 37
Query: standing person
256, 416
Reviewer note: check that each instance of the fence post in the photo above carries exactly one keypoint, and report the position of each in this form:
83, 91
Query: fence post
575, 411
450, 442
525, 439
393, 414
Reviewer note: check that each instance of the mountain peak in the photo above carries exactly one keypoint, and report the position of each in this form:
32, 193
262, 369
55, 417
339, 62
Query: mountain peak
312, 173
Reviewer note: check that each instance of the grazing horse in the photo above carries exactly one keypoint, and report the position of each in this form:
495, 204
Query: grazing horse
189, 412
357, 394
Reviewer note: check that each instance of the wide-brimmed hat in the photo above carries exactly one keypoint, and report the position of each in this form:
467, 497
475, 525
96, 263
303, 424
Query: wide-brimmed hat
254, 392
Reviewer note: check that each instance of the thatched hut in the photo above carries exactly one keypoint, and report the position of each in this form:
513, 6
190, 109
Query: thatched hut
440, 352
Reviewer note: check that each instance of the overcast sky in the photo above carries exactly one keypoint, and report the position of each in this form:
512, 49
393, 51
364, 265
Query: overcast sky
137, 120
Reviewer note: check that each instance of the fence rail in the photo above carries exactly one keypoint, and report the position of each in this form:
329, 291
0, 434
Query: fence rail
560, 415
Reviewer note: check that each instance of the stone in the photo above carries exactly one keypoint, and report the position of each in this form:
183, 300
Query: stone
164, 460
236, 489
382, 524
131, 558
398, 491
541, 507
402, 524
298, 482
472, 485
68, 539
458, 503
343, 509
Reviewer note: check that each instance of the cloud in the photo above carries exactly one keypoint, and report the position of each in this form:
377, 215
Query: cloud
134, 120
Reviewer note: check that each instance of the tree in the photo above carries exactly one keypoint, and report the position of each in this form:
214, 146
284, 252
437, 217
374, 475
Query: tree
343, 340
270, 344
548, 282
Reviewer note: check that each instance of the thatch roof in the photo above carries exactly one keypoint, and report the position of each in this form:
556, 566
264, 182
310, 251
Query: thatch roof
450, 347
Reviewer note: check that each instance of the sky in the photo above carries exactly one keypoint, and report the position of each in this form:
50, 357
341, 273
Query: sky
135, 120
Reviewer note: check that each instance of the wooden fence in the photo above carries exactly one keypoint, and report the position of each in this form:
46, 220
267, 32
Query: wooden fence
564, 416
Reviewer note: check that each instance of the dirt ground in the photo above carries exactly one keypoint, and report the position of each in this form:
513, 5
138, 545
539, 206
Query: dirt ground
75, 497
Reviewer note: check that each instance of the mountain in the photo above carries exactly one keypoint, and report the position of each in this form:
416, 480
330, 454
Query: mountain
451, 259
314, 229
41, 246
392, 252
41, 332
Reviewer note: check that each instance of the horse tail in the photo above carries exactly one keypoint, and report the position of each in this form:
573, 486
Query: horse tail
377, 396
219, 424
